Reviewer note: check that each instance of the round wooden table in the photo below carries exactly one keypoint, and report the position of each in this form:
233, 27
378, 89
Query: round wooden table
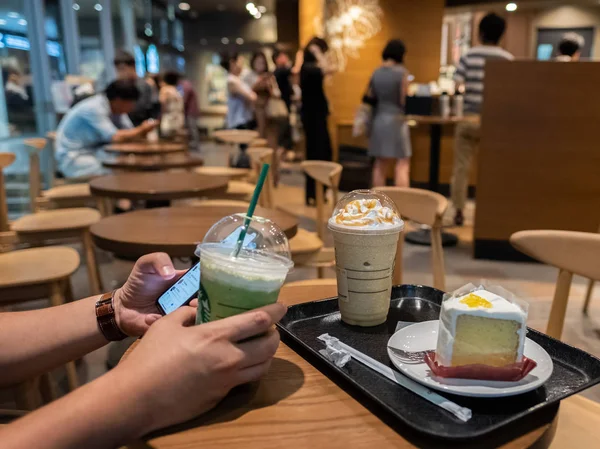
146, 148
229, 172
173, 230
158, 186
235, 136
295, 406
153, 162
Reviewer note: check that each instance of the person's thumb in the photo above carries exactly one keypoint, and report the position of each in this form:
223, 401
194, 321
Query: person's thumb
159, 263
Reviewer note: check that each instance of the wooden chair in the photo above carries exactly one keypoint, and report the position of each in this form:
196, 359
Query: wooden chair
32, 274
216, 203
307, 247
39, 228
569, 251
259, 157
588, 293
428, 208
68, 195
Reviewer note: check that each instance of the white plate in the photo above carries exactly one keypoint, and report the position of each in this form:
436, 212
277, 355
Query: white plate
423, 336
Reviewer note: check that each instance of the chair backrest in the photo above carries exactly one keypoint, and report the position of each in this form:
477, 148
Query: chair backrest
326, 174
422, 206
258, 157
35, 146
575, 252
5, 160
219, 203
428, 208
572, 253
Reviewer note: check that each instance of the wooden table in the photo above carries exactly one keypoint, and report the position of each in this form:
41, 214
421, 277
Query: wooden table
154, 162
235, 136
146, 148
229, 172
158, 186
173, 230
296, 406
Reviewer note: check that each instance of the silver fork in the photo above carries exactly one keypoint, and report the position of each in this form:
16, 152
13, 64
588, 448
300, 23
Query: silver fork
409, 356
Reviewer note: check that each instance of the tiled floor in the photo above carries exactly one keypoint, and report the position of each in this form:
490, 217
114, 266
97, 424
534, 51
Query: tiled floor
533, 282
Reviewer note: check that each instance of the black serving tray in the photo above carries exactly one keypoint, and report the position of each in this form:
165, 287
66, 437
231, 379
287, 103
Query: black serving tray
574, 370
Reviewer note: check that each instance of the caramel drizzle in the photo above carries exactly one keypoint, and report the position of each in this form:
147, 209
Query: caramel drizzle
360, 218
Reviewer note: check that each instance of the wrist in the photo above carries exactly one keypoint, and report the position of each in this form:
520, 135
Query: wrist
106, 316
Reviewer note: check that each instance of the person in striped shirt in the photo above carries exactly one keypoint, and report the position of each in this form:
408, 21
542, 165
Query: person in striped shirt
470, 76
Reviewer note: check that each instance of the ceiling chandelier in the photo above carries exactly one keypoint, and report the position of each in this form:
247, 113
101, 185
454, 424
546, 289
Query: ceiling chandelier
346, 25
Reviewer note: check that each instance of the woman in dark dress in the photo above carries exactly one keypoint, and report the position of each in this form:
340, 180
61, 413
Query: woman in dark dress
314, 107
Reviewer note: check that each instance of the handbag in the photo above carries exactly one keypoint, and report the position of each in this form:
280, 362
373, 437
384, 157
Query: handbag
363, 118
276, 108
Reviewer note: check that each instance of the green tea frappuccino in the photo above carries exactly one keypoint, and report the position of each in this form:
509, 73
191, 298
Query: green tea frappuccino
232, 284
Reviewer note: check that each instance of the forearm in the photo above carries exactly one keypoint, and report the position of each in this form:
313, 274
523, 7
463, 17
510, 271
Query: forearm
128, 134
102, 414
37, 341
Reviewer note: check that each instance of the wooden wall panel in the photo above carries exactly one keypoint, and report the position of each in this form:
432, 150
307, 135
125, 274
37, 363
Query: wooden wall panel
418, 23
539, 165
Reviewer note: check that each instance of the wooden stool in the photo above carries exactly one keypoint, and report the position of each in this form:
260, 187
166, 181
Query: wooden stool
31, 274
572, 253
40, 227
307, 247
69, 195
428, 208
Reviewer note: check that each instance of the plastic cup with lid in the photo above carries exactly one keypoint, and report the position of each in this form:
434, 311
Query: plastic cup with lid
231, 284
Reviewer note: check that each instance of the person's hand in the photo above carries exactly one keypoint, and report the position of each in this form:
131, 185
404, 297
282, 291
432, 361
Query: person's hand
135, 302
179, 371
149, 125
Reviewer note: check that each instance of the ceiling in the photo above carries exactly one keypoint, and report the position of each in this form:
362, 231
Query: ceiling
228, 5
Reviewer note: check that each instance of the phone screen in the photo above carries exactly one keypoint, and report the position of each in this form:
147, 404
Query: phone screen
182, 292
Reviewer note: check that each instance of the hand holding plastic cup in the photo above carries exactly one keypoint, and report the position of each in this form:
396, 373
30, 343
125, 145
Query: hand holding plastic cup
231, 284
366, 226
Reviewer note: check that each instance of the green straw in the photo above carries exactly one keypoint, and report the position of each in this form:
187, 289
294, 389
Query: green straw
259, 185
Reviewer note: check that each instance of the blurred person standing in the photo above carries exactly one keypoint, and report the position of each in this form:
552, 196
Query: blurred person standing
315, 108
90, 124
470, 73
125, 68
172, 118
261, 81
389, 139
283, 75
19, 105
240, 101
192, 112
569, 47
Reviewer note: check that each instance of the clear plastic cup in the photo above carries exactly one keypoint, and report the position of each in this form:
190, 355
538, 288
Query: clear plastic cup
230, 285
365, 253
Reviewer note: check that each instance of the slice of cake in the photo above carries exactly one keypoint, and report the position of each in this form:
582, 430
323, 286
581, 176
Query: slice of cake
480, 328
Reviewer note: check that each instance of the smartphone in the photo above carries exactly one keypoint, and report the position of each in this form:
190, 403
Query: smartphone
180, 293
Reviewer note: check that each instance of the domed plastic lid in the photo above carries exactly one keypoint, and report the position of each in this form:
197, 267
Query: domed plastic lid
366, 211
265, 246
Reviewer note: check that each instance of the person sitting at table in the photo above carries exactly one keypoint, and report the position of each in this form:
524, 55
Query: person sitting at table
172, 118
569, 47
91, 123
125, 68
177, 372
470, 74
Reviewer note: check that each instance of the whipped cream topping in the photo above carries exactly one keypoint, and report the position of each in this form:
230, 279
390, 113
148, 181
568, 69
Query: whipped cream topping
366, 213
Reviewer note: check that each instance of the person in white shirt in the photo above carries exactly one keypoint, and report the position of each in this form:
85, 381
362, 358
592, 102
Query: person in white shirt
172, 112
